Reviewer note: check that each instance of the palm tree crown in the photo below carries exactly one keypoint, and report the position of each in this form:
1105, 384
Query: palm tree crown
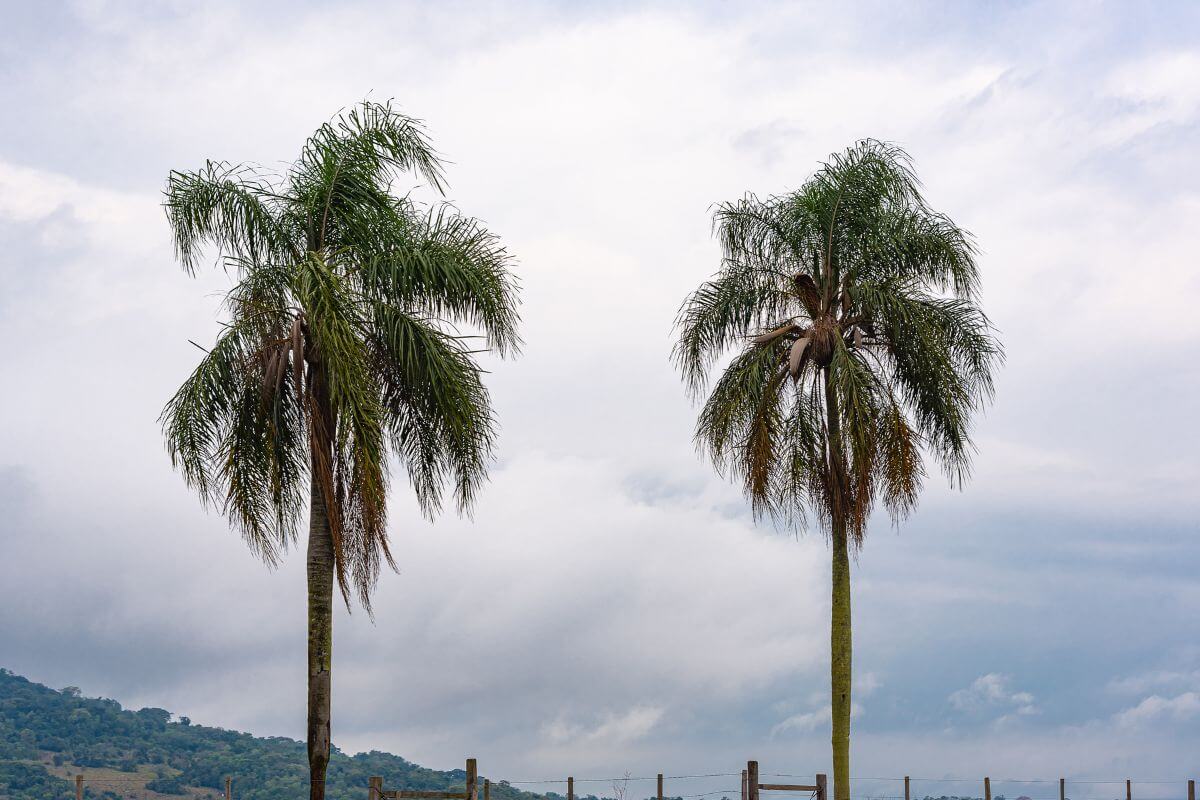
862, 346
340, 349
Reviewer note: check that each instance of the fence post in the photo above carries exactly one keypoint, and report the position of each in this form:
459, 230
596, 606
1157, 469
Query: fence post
751, 780
487, 789
472, 780
822, 787
906, 794
744, 797
228, 787
660, 796
1191, 790
79, 786
1062, 789
374, 788
987, 788
1128, 789
570, 788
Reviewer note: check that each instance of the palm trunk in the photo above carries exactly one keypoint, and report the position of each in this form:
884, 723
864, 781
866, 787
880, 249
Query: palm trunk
840, 631
320, 639
839, 664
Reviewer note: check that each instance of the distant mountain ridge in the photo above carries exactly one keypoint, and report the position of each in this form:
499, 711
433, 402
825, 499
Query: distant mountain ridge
48, 736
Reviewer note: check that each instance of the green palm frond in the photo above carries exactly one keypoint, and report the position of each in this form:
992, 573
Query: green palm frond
449, 266
722, 312
239, 446
226, 206
349, 163
443, 428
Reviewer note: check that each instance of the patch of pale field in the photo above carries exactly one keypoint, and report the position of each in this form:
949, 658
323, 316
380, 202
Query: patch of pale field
127, 785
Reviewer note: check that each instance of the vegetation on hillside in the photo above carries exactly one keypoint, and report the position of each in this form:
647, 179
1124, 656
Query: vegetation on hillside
47, 736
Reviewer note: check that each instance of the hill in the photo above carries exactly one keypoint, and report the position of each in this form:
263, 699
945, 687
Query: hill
49, 736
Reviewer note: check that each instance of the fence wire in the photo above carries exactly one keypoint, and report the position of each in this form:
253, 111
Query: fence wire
923, 793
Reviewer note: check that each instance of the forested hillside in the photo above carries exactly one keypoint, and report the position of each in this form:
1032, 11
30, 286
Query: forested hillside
48, 736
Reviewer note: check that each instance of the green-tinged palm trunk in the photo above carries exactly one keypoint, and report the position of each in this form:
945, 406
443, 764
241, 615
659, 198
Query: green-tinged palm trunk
839, 623
839, 664
320, 639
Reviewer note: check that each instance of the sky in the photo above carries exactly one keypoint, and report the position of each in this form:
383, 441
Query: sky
611, 607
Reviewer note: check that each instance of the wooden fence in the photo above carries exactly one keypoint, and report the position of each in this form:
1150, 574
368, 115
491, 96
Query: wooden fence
376, 791
752, 787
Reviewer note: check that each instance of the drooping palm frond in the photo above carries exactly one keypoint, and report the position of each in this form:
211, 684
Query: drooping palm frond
347, 166
862, 346
719, 314
441, 424
230, 207
373, 143
447, 266
240, 445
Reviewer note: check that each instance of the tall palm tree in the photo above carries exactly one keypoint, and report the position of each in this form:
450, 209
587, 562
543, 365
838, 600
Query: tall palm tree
340, 353
862, 350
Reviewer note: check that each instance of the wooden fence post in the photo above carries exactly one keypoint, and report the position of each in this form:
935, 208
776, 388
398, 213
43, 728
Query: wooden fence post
79, 786
487, 789
660, 795
822, 787
987, 789
751, 780
744, 796
228, 787
472, 780
1062, 789
375, 786
1191, 790
907, 796
570, 788
1128, 789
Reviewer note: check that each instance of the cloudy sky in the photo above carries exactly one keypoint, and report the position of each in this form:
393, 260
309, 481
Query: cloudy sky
611, 607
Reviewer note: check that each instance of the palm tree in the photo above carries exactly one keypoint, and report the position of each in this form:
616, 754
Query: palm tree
340, 353
862, 350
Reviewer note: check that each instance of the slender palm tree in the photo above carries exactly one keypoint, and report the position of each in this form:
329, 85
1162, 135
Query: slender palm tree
862, 349
340, 354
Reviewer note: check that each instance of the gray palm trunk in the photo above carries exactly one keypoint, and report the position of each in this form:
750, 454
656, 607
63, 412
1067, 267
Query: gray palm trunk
320, 639
321, 566
840, 638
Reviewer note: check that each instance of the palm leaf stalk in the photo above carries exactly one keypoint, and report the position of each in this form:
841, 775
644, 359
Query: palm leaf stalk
341, 354
860, 350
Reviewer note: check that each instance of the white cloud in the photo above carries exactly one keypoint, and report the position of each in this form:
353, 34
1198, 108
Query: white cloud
1163, 88
811, 721
866, 684
1157, 709
612, 729
1155, 679
993, 692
